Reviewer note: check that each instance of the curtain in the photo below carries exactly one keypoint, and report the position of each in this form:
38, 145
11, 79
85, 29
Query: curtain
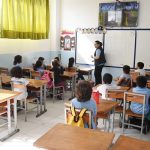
24, 19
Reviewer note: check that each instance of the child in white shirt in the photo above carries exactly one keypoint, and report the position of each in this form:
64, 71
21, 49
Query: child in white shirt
107, 79
140, 66
16, 73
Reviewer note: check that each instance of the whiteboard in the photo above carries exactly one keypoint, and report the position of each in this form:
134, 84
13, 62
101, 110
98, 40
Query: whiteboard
85, 47
119, 47
143, 48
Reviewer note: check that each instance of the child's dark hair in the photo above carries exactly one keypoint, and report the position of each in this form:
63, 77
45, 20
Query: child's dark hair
57, 58
98, 42
140, 65
83, 91
141, 81
38, 64
55, 63
17, 72
126, 69
71, 62
41, 59
17, 59
107, 78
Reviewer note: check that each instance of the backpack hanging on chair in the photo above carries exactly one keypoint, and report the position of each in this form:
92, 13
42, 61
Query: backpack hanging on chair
76, 119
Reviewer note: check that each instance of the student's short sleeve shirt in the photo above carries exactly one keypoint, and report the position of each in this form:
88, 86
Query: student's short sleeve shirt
138, 108
23, 91
141, 71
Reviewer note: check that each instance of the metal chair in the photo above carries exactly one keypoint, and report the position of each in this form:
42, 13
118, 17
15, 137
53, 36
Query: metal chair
56, 90
87, 117
25, 101
137, 98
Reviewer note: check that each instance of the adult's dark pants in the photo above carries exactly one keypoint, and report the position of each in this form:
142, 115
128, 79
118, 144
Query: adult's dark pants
97, 74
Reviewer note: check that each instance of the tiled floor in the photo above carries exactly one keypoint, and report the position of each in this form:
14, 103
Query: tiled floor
36, 127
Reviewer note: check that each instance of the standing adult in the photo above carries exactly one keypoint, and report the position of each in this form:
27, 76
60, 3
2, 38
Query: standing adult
99, 61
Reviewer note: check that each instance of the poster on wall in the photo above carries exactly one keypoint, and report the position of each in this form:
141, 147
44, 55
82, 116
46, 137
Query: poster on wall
119, 14
67, 40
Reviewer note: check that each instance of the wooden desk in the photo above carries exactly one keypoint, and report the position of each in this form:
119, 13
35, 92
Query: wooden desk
86, 71
128, 143
42, 85
104, 108
36, 84
6, 96
66, 137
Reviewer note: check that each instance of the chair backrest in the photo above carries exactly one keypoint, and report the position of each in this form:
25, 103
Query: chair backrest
135, 97
35, 75
87, 117
115, 93
4, 71
18, 86
71, 69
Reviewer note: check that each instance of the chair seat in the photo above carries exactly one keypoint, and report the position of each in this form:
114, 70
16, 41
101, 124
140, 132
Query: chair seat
102, 116
132, 114
4, 104
3, 111
119, 109
31, 99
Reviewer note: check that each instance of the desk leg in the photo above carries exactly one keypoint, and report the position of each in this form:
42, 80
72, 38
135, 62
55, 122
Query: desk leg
42, 101
113, 120
109, 122
45, 98
41, 98
10, 132
8, 115
90, 75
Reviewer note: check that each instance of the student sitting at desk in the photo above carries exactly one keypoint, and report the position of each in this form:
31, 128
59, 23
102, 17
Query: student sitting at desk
42, 61
58, 71
17, 60
125, 78
39, 67
71, 65
141, 88
107, 79
140, 66
57, 58
17, 77
83, 99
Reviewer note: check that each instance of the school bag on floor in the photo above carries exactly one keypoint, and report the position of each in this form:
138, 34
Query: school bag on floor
76, 119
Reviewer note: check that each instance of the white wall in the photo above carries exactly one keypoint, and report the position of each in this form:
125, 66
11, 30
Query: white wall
84, 14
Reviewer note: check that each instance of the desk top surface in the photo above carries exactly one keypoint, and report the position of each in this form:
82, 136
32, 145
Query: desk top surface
128, 143
7, 94
66, 137
106, 106
32, 82
69, 74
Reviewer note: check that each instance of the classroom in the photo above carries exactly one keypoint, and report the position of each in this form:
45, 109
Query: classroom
74, 74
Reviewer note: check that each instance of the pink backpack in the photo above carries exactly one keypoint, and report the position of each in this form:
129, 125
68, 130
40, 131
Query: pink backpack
47, 76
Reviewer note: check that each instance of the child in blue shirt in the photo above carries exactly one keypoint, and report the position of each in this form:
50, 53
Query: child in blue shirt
39, 67
141, 88
83, 99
